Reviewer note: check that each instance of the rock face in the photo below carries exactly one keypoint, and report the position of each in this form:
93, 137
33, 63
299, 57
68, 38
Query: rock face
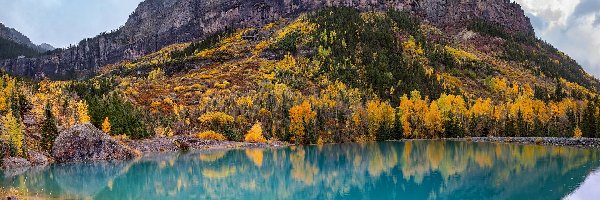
87, 143
158, 23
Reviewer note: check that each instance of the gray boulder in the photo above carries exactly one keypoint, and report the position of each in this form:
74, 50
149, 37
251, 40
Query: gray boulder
15, 163
84, 142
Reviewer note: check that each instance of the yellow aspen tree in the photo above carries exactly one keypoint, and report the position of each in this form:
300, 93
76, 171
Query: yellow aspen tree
106, 125
405, 114
300, 116
13, 133
433, 120
481, 108
255, 135
82, 112
577, 133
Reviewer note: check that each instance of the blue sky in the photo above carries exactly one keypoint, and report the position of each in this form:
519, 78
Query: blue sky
573, 26
64, 22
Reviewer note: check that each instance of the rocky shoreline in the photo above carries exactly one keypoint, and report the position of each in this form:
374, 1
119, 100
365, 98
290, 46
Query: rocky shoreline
190, 143
85, 143
12, 166
585, 143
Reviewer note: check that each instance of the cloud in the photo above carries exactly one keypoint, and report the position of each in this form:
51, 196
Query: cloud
572, 26
64, 22
587, 7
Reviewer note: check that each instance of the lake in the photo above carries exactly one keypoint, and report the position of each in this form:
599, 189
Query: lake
385, 170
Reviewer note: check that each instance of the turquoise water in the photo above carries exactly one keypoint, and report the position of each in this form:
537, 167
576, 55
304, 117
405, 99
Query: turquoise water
387, 170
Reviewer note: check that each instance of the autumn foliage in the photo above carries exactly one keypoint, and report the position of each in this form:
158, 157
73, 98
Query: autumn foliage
255, 135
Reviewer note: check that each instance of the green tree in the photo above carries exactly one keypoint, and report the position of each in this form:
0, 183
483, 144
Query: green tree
49, 129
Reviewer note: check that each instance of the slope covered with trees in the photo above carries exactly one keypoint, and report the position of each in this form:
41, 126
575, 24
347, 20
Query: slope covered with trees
333, 75
10, 50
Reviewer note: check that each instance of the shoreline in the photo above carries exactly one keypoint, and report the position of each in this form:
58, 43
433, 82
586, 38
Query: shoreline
581, 143
183, 143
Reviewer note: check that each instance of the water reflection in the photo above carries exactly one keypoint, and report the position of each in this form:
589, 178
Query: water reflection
389, 170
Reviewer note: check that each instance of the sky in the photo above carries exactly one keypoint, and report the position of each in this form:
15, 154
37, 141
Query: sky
64, 22
589, 188
573, 26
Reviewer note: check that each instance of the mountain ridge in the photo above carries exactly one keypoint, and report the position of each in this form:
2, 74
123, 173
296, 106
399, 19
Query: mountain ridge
18, 37
158, 23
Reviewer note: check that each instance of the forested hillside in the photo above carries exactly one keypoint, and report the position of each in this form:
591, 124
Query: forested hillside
332, 75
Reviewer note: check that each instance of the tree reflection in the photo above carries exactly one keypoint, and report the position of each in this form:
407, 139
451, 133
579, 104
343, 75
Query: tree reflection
414, 169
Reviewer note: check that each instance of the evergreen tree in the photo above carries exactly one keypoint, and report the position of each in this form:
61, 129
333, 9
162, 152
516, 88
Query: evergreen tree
49, 129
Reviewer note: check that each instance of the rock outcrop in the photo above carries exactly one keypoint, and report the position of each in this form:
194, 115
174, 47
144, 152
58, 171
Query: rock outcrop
87, 143
158, 23
13, 163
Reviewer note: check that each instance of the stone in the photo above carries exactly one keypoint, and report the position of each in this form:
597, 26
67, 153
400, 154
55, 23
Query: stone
38, 158
84, 142
15, 163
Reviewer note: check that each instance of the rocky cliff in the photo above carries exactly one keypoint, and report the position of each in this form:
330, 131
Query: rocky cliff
157, 23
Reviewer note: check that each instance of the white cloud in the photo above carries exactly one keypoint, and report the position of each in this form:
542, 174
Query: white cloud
571, 26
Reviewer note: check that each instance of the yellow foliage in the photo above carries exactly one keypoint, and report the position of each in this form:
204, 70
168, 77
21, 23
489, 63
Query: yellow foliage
433, 120
106, 125
412, 48
163, 132
7, 87
13, 132
154, 106
255, 135
216, 117
300, 117
156, 74
460, 55
82, 112
379, 114
245, 101
577, 133
481, 108
222, 85
211, 135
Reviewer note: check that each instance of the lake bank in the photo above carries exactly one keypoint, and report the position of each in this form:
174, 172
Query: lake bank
191, 143
585, 143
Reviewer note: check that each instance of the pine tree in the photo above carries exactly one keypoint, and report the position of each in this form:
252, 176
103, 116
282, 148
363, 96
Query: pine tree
49, 129
588, 122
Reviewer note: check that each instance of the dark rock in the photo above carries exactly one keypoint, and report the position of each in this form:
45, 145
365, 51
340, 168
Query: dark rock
38, 158
158, 23
85, 142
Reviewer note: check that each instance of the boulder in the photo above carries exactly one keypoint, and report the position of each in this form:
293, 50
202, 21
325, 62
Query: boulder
15, 163
84, 142
38, 158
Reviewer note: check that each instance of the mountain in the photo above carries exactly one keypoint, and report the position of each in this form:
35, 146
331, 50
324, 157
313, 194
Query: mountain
158, 23
16, 44
308, 71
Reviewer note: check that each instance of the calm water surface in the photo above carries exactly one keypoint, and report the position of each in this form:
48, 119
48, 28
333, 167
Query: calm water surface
388, 170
